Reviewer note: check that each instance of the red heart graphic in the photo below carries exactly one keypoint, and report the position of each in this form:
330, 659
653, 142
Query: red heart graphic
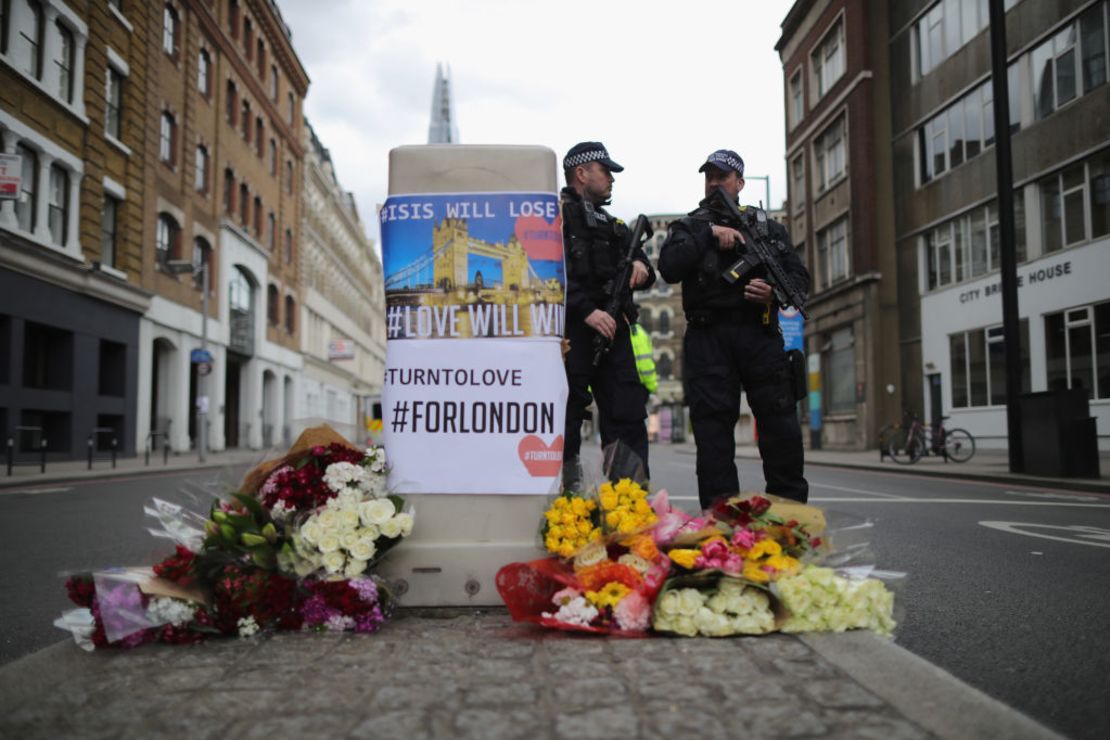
541, 460
541, 240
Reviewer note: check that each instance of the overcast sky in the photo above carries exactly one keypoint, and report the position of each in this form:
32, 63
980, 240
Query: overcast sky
662, 84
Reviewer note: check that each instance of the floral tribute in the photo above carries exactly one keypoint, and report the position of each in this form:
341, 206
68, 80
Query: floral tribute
293, 549
623, 564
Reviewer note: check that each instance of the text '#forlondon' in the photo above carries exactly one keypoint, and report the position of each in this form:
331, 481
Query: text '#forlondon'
472, 417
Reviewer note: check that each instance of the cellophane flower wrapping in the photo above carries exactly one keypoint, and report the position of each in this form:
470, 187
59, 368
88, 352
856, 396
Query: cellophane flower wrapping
716, 605
292, 548
604, 570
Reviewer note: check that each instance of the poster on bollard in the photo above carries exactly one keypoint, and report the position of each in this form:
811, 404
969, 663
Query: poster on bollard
474, 398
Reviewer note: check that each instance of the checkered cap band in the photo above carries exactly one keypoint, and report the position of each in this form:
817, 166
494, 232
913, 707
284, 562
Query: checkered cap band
582, 158
727, 160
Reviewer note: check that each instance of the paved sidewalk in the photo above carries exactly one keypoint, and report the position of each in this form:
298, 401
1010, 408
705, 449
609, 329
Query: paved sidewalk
73, 470
469, 673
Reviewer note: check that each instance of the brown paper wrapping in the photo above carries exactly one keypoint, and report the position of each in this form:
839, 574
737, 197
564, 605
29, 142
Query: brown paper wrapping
322, 436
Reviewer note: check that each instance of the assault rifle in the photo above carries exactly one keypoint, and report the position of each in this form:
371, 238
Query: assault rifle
620, 293
761, 249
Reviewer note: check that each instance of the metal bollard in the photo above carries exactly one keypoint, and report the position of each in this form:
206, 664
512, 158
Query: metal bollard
11, 457
166, 450
90, 450
43, 446
114, 443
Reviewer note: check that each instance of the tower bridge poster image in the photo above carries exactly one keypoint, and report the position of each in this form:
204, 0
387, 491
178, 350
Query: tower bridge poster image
474, 265
475, 392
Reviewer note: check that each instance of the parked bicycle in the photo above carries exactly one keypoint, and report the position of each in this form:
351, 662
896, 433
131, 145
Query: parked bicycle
908, 442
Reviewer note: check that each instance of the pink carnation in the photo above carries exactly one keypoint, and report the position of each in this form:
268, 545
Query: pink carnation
744, 538
714, 550
633, 612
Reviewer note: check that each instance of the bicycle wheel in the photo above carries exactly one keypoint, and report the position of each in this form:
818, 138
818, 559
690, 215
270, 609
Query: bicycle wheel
959, 445
906, 446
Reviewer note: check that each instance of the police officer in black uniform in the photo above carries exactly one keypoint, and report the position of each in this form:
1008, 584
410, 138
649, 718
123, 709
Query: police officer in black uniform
595, 242
733, 341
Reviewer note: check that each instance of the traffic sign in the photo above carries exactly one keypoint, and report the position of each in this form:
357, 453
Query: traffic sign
200, 355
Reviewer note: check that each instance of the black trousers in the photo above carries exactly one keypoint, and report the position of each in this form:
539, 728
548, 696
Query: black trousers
720, 359
615, 384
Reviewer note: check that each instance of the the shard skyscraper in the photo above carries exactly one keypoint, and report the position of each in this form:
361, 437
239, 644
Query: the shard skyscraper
442, 129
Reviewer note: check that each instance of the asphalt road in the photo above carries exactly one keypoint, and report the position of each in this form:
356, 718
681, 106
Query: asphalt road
1006, 587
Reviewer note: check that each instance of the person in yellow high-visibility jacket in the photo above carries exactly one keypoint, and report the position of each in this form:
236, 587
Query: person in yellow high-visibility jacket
645, 362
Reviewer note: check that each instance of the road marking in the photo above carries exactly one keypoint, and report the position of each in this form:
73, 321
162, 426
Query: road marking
1061, 496
1083, 535
852, 490
989, 502
34, 491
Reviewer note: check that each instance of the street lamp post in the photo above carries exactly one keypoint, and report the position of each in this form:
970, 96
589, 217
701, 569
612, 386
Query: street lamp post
767, 185
184, 266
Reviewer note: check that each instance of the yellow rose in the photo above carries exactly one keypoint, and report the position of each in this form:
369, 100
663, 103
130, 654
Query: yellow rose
684, 557
754, 573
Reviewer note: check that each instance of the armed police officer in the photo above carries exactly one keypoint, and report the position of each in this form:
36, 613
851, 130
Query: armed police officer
595, 244
732, 338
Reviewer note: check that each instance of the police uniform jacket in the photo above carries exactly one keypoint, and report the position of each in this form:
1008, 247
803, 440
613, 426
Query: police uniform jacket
690, 255
595, 242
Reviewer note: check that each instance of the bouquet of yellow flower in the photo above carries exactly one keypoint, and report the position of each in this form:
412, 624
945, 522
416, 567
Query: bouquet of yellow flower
570, 523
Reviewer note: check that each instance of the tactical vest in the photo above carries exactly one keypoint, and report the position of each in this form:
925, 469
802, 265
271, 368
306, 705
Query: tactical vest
593, 248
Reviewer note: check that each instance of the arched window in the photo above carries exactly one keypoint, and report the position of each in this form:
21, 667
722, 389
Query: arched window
273, 157
233, 18
244, 204
664, 366
232, 102
167, 238
248, 37
202, 258
64, 63
258, 217
245, 114
27, 48
261, 58
169, 31
274, 83
289, 177
229, 191
665, 322
272, 299
167, 138
239, 292
271, 228
204, 69
645, 320
290, 314
288, 246
259, 136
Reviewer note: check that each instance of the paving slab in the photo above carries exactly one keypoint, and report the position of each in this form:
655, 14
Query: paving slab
474, 673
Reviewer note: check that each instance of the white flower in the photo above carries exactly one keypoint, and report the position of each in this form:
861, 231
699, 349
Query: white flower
328, 543
342, 475
689, 601
354, 567
576, 611
632, 560
370, 531
247, 627
375, 459
281, 511
377, 511
391, 527
312, 531
348, 519
170, 611
334, 561
363, 549
374, 485
405, 520
329, 519
712, 624
591, 554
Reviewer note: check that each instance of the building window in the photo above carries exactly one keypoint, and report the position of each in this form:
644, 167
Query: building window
166, 139
664, 322
289, 177
290, 314
645, 320
797, 99
258, 216
259, 136
828, 59
202, 258
229, 191
1077, 349
945, 28
245, 119
977, 360
169, 31
832, 253
840, 372
232, 102
233, 18
273, 82
271, 229
1070, 63
64, 63
109, 225
26, 206
292, 107
288, 246
1063, 208
200, 179
28, 38
664, 367
167, 238
272, 306
798, 181
57, 213
248, 37
828, 151
260, 58
204, 73
113, 98
273, 158
969, 245
244, 204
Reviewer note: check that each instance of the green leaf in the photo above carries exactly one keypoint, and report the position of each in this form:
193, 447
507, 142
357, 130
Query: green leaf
398, 502
252, 504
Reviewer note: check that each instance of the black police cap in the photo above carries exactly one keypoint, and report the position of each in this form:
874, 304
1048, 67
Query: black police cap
589, 151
